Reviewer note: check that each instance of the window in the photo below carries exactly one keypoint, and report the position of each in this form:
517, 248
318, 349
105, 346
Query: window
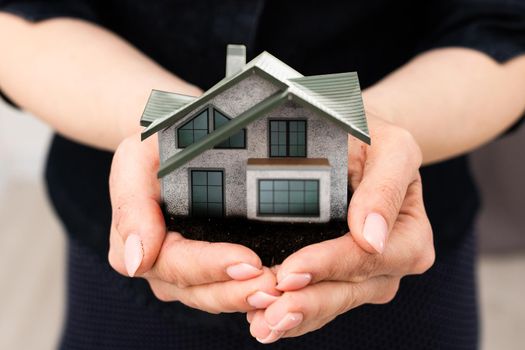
236, 141
207, 193
194, 130
287, 138
203, 124
289, 197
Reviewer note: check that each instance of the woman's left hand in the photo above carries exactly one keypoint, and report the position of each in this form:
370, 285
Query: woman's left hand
390, 237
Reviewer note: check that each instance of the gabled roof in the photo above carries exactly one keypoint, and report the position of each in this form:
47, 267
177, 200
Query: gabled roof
162, 104
265, 65
336, 97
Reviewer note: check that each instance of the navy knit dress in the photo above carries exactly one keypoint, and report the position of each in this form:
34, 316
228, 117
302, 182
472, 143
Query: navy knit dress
437, 310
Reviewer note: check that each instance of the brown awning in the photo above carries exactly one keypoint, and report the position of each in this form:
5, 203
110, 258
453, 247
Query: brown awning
317, 162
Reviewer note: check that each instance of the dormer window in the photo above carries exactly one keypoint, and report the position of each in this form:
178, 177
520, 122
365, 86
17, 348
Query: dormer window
204, 123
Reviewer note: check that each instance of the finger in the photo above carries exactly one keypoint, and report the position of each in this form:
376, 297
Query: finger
409, 251
339, 259
230, 296
306, 310
185, 262
390, 168
135, 194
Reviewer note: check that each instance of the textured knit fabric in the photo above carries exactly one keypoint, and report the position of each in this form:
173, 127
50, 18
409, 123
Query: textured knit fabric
188, 38
433, 311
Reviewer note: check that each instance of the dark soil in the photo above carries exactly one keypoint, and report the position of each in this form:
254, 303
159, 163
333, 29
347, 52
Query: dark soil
273, 242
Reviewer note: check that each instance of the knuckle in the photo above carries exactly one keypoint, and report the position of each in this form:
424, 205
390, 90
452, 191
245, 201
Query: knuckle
426, 254
171, 274
367, 267
176, 277
425, 261
169, 269
390, 292
349, 299
391, 196
293, 302
161, 292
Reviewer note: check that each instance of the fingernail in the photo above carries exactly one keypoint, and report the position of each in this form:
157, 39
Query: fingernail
272, 337
133, 254
294, 281
261, 300
242, 271
375, 231
289, 321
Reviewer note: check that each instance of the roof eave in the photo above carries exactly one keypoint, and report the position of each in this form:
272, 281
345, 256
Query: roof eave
222, 133
206, 97
361, 135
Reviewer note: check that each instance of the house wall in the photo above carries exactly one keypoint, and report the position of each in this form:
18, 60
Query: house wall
324, 140
176, 187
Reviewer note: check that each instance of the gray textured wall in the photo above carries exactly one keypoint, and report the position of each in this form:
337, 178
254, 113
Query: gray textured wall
234, 101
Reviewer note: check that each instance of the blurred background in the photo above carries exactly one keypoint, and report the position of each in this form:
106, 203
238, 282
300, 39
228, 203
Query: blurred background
32, 259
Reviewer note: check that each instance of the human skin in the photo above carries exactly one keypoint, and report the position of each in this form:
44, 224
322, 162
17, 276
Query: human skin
64, 67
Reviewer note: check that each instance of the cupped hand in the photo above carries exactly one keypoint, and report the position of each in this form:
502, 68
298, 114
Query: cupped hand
213, 277
390, 237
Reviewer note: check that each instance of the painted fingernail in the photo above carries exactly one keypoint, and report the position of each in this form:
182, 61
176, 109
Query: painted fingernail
289, 321
261, 300
294, 281
133, 254
272, 337
375, 231
242, 271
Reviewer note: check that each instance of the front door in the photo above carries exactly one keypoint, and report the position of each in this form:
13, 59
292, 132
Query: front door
207, 195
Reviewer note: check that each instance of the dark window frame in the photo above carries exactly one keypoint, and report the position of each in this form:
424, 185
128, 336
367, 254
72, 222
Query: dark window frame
318, 193
192, 119
190, 188
210, 111
287, 133
243, 130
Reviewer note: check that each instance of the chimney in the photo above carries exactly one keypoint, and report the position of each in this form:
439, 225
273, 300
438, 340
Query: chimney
235, 59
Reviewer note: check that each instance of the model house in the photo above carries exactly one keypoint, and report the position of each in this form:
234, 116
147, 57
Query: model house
264, 143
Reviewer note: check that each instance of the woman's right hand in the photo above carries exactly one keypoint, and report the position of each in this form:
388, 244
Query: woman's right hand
213, 277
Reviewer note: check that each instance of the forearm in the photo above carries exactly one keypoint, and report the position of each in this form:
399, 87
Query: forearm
451, 100
84, 81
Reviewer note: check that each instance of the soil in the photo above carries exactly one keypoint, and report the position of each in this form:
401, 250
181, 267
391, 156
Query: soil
273, 242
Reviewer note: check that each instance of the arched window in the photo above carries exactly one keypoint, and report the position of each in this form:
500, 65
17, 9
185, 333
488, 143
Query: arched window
204, 123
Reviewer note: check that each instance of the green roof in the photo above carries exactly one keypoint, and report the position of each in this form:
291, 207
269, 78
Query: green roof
162, 104
336, 97
221, 134
264, 65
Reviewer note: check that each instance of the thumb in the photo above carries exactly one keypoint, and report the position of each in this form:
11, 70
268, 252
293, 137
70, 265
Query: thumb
377, 200
135, 196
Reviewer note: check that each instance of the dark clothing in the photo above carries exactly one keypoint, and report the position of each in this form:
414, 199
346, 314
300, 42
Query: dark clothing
434, 311
189, 38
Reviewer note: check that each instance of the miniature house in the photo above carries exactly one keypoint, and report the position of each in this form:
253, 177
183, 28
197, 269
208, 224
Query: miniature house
265, 143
